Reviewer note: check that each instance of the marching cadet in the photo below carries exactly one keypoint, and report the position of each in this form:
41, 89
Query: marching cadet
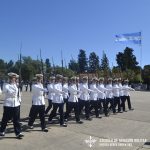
122, 98
84, 98
109, 97
65, 89
102, 96
34, 81
0, 91
94, 96
73, 101
38, 103
58, 101
11, 106
51, 93
116, 95
126, 92
78, 86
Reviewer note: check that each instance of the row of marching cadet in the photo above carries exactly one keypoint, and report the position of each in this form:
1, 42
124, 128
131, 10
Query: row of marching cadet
80, 97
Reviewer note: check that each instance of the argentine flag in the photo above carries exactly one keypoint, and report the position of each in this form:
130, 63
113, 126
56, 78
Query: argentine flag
134, 38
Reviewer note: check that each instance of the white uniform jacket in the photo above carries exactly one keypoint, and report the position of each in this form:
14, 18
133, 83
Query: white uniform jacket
65, 89
84, 91
120, 91
102, 88
58, 98
116, 90
109, 93
95, 92
73, 93
126, 90
78, 88
12, 99
51, 92
38, 94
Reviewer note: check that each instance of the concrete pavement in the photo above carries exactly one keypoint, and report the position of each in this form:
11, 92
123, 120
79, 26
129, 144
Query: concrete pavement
108, 133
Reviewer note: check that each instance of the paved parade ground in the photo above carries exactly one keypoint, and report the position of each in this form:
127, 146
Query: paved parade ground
124, 131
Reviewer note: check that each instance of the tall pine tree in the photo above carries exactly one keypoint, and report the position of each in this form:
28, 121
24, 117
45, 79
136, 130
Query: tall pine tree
127, 59
93, 62
82, 61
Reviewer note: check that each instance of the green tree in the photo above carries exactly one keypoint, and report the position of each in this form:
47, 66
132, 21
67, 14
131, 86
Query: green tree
104, 62
29, 68
10, 66
127, 59
2, 68
104, 67
66, 72
93, 62
82, 61
74, 66
146, 74
48, 66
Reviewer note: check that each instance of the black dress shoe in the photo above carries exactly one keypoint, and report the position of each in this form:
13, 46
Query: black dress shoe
131, 109
89, 119
45, 130
30, 127
99, 117
63, 125
120, 112
80, 122
2, 133
19, 136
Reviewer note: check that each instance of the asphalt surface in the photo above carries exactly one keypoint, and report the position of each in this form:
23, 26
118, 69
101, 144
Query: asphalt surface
124, 131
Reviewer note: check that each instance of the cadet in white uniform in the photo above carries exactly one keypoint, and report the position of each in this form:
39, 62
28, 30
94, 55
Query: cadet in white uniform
121, 94
116, 95
78, 87
11, 106
38, 103
51, 93
73, 101
102, 96
58, 101
65, 89
109, 96
126, 93
84, 98
94, 96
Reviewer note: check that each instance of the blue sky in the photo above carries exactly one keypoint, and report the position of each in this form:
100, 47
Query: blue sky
70, 25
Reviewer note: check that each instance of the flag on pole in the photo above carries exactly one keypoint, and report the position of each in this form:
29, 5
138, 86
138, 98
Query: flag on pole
134, 38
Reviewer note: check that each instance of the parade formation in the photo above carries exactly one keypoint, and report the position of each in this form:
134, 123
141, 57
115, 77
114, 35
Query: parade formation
81, 97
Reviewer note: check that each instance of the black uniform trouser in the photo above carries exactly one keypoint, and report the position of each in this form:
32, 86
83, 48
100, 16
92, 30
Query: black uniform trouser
66, 102
61, 112
49, 106
14, 113
117, 102
87, 107
100, 103
128, 101
94, 104
107, 102
105, 105
75, 106
123, 100
37, 109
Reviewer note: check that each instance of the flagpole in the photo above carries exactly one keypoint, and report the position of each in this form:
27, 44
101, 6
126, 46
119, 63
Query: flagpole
62, 64
141, 57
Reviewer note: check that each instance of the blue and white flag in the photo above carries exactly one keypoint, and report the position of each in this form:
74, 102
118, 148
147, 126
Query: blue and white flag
134, 38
